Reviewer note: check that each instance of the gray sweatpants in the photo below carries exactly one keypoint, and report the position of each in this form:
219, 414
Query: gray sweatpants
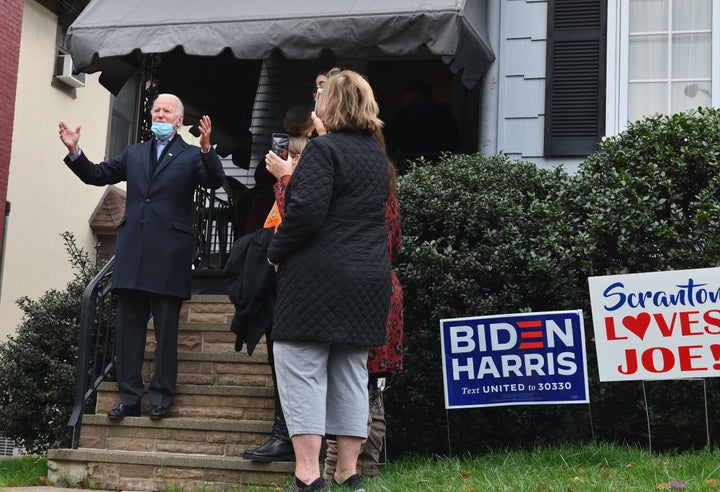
368, 463
323, 387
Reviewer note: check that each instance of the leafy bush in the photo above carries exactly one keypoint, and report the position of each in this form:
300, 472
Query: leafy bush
37, 364
481, 235
649, 200
484, 235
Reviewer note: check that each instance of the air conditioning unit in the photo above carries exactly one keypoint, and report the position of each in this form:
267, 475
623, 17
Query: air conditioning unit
64, 71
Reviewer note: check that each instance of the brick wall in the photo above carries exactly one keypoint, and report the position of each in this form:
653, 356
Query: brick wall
11, 12
10, 26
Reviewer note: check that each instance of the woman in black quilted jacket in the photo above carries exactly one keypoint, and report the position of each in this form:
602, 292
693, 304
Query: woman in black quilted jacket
333, 280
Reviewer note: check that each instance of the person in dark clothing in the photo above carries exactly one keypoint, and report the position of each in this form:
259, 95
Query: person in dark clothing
252, 205
421, 127
298, 125
383, 361
278, 447
154, 253
333, 282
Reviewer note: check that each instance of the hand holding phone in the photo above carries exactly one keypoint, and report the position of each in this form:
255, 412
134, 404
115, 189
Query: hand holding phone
280, 145
317, 95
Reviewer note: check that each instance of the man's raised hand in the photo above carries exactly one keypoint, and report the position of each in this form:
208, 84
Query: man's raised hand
70, 138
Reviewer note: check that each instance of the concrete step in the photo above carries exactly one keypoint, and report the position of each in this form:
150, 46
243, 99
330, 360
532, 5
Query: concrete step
218, 369
133, 470
204, 326
223, 406
212, 437
202, 401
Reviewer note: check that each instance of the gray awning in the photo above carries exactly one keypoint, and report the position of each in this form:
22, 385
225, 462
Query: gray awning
299, 29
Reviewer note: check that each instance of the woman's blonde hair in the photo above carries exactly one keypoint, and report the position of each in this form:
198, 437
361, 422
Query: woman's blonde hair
348, 104
297, 145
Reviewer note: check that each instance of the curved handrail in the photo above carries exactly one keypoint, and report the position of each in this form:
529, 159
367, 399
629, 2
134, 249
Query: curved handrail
96, 297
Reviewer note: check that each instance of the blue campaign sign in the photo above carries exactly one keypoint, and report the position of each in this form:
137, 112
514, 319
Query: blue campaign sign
514, 359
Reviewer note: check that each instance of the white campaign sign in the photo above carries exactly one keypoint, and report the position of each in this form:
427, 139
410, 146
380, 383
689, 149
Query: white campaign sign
658, 325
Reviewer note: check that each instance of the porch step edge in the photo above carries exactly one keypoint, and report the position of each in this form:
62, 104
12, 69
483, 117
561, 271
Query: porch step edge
199, 389
166, 459
184, 423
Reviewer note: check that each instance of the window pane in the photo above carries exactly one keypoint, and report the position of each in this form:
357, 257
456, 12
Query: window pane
691, 56
120, 134
123, 118
648, 57
689, 95
645, 99
670, 56
691, 15
648, 15
124, 102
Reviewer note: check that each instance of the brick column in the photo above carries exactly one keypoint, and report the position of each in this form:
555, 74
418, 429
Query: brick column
11, 12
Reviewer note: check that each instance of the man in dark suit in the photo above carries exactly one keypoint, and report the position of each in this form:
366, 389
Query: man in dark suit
154, 250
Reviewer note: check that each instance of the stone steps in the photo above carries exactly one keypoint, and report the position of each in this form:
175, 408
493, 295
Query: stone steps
218, 369
139, 470
223, 406
212, 437
198, 401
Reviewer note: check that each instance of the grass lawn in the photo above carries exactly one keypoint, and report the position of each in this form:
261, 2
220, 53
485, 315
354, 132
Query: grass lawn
596, 467
23, 471
593, 467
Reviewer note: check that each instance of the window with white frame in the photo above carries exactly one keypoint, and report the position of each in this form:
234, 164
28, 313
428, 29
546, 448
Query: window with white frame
123, 118
663, 60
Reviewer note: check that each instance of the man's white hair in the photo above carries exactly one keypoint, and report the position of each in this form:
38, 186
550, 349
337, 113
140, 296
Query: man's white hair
180, 107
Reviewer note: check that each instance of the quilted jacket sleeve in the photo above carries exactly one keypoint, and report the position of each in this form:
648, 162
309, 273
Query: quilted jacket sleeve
308, 198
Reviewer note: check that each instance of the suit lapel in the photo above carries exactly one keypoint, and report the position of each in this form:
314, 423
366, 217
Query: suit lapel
173, 149
150, 160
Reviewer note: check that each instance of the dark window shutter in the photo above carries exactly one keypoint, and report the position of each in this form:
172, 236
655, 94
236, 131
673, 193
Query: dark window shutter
575, 83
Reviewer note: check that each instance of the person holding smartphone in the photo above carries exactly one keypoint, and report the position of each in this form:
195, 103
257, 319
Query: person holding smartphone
297, 124
333, 282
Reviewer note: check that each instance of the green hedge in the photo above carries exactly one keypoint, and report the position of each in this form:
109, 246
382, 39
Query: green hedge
38, 362
487, 235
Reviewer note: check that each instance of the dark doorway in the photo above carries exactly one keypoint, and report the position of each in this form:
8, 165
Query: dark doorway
391, 78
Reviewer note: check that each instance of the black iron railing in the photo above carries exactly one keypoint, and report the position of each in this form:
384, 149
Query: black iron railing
214, 230
214, 235
95, 347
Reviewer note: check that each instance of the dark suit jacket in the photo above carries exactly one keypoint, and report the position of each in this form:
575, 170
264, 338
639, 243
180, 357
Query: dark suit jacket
155, 240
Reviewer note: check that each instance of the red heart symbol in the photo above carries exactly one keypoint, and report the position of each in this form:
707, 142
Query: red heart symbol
637, 324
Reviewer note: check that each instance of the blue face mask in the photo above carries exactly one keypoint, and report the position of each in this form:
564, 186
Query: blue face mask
162, 130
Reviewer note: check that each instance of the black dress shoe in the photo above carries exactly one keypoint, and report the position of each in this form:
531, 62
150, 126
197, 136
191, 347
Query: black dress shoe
276, 449
122, 410
159, 412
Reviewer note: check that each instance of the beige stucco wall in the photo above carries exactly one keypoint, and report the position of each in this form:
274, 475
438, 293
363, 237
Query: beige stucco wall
46, 198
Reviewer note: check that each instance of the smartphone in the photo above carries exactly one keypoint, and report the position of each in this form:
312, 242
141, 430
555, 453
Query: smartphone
280, 144
317, 96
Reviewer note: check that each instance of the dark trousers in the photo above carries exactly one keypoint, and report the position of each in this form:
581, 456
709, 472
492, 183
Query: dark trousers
134, 310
